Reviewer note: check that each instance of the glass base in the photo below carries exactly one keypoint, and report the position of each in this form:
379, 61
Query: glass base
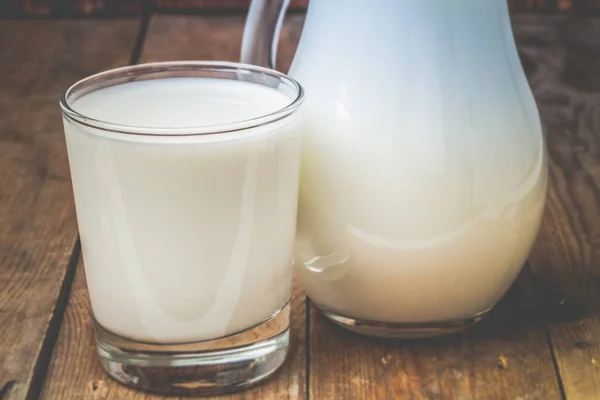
403, 330
209, 367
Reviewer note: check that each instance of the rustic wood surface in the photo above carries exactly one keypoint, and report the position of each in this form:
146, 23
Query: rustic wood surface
37, 8
200, 4
564, 59
505, 356
542, 342
24, 8
37, 221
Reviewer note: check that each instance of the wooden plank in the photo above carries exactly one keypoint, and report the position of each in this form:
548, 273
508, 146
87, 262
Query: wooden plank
104, 7
134, 7
534, 5
202, 4
585, 7
37, 222
506, 356
117, 7
564, 59
71, 7
211, 38
74, 372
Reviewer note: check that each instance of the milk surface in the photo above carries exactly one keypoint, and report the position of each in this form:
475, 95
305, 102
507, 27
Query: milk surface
185, 238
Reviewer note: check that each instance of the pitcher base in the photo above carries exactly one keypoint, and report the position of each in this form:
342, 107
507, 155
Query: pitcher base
403, 330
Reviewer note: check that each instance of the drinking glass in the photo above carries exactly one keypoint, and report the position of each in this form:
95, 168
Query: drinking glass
187, 231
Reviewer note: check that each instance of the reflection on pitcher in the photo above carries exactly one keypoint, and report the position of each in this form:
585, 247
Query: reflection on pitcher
424, 169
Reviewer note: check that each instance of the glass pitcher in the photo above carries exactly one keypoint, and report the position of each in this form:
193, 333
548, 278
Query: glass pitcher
424, 168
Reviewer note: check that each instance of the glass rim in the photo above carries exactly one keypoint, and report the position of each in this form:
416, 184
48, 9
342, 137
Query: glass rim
138, 70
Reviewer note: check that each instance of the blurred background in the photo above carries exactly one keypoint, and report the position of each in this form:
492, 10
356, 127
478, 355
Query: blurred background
116, 8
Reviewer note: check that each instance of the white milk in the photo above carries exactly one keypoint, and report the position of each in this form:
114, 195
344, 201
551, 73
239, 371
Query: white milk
185, 238
423, 168
383, 240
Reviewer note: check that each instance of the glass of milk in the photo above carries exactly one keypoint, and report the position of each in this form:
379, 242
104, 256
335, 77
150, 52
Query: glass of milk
185, 177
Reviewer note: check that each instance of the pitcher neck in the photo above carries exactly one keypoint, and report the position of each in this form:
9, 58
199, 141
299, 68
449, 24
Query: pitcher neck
358, 25
413, 15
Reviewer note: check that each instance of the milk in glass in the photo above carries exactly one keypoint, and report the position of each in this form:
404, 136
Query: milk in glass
185, 238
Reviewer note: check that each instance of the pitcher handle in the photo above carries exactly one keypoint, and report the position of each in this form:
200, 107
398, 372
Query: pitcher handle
261, 32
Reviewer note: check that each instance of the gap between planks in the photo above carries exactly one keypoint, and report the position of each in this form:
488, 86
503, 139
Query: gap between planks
43, 363
37, 219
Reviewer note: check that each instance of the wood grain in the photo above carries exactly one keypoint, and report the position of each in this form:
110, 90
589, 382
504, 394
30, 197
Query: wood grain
201, 4
135, 7
585, 7
211, 38
21, 8
75, 372
503, 357
564, 59
37, 222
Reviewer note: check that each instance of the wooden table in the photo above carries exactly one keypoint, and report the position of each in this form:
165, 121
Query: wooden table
542, 341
